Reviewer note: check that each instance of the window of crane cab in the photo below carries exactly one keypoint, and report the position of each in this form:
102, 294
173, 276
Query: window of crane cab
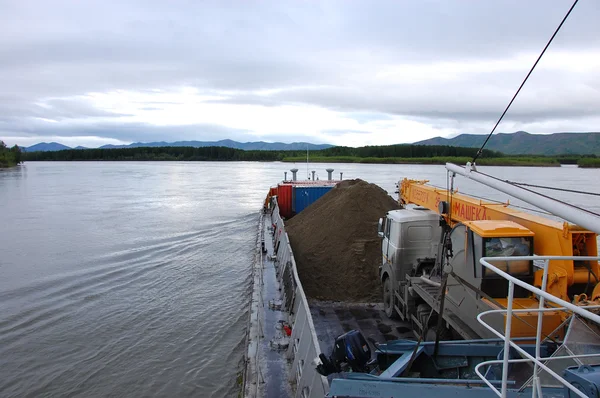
508, 247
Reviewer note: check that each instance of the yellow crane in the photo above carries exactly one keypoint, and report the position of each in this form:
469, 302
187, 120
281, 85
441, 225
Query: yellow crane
550, 237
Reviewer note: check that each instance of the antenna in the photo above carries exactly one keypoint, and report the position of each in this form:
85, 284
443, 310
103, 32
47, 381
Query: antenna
307, 175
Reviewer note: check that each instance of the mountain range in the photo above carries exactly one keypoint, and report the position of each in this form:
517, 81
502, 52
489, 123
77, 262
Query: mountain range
45, 146
519, 143
523, 143
248, 146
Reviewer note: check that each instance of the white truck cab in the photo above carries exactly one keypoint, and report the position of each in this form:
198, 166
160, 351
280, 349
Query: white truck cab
410, 241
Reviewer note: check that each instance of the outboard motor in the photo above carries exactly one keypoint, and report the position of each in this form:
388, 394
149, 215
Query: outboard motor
586, 378
350, 351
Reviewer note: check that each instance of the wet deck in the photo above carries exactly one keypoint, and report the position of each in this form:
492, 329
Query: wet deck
332, 319
274, 372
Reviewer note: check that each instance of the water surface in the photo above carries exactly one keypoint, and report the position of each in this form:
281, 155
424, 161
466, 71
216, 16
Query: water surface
133, 278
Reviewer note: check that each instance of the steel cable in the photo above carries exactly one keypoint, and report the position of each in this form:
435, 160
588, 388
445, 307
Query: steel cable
525, 80
544, 196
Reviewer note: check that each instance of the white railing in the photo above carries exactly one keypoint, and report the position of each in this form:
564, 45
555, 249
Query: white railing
561, 305
304, 345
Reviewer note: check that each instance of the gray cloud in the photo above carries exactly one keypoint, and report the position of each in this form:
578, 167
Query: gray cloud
134, 132
341, 132
312, 53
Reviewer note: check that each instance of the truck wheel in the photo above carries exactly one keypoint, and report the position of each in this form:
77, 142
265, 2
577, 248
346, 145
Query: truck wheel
445, 335
388, 299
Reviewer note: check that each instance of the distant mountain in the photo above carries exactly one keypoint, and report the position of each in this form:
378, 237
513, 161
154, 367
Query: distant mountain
45, 146
523, 143
260, 145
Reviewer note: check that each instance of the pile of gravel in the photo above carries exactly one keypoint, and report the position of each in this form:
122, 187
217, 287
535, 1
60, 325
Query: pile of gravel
335, 242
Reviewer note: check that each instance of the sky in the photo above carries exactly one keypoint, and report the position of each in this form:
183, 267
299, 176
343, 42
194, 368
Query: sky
341, 72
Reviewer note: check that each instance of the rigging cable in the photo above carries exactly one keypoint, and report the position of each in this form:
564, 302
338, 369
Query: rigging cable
500, 202
523, 83
553, 188
545, 196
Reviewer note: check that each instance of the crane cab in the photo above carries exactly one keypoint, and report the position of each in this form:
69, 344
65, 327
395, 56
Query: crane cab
473, 240
499, 238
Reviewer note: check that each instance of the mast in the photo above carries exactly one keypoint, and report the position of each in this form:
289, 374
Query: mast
307, 174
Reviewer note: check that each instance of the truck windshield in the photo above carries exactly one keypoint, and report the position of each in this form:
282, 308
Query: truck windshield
509, 247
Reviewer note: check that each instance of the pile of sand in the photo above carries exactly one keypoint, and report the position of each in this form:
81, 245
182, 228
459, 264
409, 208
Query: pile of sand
335, 242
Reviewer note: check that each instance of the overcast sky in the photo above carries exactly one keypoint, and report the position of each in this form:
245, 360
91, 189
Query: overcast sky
341, 72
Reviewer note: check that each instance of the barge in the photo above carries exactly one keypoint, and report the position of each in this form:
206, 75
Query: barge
301, 348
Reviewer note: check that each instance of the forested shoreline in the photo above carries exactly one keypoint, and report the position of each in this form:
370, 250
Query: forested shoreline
399, 154
9, 157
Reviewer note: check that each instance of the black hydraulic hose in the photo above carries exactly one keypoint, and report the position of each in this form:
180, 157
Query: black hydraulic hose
421, 337
440, 322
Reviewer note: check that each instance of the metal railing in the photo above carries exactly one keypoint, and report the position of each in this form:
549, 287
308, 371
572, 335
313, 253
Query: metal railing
561, 305
304, 345
252, 373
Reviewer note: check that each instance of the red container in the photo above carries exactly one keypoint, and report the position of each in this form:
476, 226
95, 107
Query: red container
285, 199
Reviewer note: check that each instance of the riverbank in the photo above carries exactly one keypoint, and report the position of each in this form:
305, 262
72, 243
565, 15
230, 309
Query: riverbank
589, 163
503, 161
400, 154
9, 157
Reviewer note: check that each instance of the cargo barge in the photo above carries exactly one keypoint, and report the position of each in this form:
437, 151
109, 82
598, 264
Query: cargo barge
281, 328
290, 338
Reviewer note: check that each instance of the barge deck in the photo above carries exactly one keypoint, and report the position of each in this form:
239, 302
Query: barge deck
278, 365
287, 332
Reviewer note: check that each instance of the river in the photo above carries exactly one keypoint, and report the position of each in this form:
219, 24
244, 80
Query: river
133, 278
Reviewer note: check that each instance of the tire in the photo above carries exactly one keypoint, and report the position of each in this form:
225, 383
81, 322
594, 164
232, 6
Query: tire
423, 311
388, 299
445, 334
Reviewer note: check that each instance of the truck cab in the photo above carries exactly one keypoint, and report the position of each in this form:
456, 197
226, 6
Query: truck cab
410, 241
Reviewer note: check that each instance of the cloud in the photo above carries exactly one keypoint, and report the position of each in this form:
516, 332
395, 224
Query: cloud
131, 132
353, 73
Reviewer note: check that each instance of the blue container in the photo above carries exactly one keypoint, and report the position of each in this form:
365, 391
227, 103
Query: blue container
304, 196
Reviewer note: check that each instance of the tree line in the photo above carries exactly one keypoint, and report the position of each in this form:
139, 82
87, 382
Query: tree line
407, 151
230, 154
9, 156
215, 153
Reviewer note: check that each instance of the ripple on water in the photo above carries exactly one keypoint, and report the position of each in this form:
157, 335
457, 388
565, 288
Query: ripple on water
132, 278
164, 317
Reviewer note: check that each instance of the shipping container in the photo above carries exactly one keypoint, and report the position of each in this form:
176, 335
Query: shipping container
304, 196
284, 199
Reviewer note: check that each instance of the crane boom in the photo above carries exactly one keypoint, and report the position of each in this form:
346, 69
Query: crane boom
579, 216
551, 237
